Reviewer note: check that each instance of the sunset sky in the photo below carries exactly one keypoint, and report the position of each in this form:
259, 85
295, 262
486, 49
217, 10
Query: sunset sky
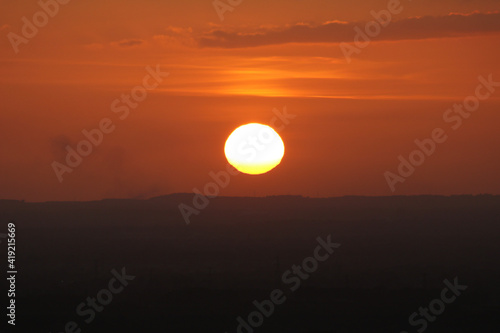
352, 119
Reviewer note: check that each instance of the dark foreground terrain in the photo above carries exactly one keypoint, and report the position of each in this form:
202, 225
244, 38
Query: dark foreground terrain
394, 256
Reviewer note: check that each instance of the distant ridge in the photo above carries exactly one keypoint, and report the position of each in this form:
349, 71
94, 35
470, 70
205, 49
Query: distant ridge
189, 196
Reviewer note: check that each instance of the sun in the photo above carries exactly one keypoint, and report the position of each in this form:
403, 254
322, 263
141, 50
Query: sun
254, 148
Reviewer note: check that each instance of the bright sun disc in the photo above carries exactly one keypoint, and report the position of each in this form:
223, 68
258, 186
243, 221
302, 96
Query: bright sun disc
254, 149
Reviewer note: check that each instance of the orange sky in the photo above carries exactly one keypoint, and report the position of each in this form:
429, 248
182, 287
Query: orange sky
352, 121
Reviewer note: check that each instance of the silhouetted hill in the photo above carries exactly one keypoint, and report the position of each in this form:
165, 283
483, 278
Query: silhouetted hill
395, 253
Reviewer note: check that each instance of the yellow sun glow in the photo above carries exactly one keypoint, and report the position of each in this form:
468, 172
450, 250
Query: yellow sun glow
254, 149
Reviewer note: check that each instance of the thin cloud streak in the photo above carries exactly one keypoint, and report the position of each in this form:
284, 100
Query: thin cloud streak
426, 27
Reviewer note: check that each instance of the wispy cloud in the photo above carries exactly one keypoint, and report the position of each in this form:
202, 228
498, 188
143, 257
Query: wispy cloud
128, 43
425, 27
